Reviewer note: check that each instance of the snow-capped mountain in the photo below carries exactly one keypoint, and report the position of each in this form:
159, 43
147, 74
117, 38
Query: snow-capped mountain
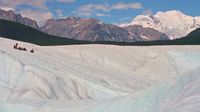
173, 23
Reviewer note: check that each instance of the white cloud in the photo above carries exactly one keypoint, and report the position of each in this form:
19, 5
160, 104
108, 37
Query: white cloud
59, 13
40, 4
102, 15
39, 16
147, 12
82, 13
124, 6
89, 9
66, 1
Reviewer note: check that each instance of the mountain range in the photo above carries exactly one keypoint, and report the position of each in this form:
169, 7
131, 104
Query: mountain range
161, 26
94, 30
21, 32
88, 29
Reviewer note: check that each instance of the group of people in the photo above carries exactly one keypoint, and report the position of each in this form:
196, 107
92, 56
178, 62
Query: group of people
16, 46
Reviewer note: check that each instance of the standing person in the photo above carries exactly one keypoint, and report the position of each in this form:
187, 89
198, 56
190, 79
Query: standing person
16, 46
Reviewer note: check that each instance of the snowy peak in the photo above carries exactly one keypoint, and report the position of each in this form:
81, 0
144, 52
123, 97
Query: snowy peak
173, 23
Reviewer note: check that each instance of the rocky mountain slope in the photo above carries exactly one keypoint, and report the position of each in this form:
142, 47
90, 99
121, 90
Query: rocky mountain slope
20, 32
99, 78
12, 16
147, 34
173, 23
86, 29
95, 30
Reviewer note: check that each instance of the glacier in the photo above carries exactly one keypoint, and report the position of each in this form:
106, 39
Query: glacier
99, 78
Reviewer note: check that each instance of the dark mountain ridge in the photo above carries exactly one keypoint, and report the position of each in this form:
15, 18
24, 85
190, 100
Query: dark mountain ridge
21, 32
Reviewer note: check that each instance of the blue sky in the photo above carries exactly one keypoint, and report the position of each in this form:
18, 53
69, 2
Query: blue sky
109, 11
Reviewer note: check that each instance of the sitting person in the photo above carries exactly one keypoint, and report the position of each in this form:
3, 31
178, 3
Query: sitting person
20, 48
32, 51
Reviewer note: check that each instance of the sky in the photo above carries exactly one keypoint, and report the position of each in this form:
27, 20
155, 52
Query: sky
109, 11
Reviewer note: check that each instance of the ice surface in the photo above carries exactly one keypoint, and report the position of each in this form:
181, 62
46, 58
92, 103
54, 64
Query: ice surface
99, 78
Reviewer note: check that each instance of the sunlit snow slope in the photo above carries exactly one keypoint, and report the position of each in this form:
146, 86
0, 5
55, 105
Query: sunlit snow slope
99, 78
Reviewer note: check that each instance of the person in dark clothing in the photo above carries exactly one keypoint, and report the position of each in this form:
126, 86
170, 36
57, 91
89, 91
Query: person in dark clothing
16, 46
20, 48
32, 51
